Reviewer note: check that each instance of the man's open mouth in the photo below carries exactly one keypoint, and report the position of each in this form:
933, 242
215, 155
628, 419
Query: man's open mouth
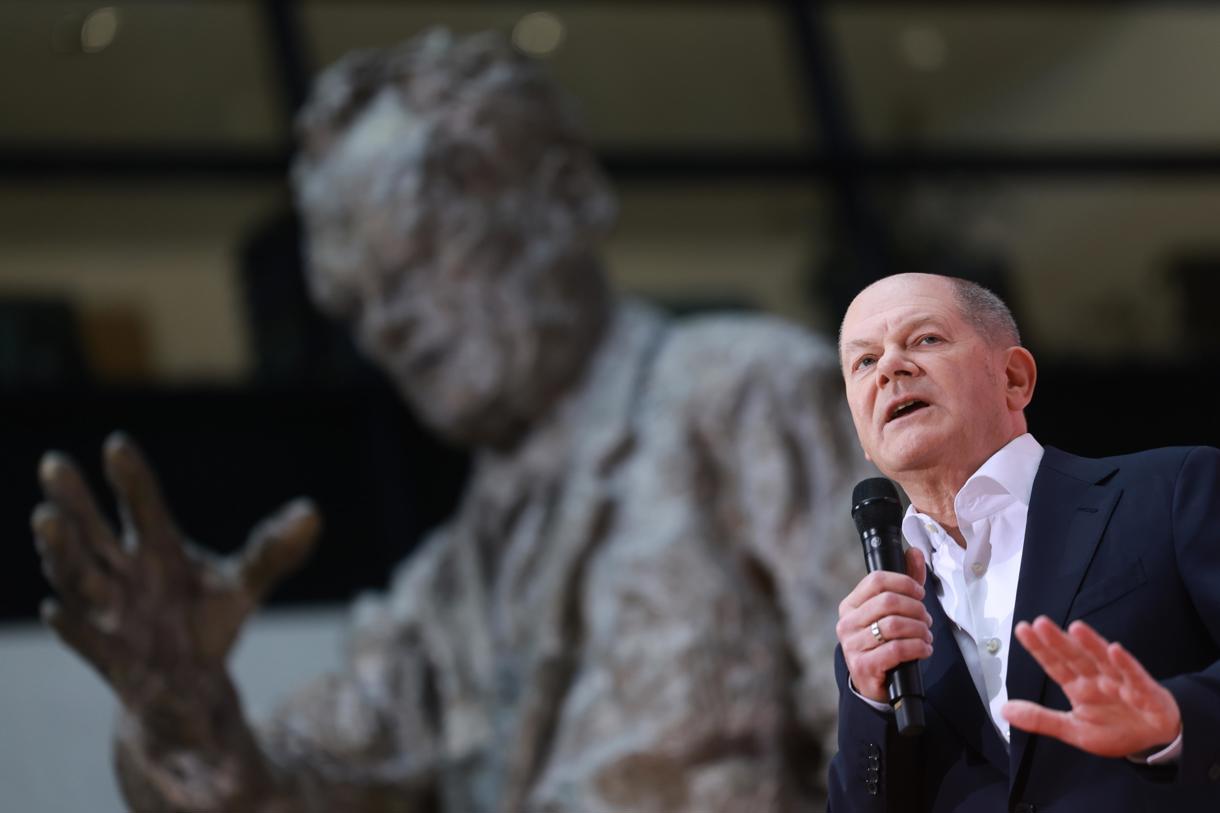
906, 408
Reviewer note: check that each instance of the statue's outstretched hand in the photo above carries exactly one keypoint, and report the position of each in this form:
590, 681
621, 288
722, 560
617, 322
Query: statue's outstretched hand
153, 614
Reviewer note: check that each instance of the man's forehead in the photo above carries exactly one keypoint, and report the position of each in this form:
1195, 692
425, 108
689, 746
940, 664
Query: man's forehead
901, 317
894, 297
901, 288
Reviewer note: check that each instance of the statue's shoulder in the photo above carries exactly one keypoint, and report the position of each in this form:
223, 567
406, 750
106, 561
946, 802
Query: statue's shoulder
746, 341
404, 602
708, 367
727, 351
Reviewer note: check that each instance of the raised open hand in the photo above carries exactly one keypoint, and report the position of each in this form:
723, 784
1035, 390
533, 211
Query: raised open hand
153, 614
1118, 709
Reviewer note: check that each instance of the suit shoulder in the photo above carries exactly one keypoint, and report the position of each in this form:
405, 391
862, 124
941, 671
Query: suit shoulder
1166, 458
1165, 461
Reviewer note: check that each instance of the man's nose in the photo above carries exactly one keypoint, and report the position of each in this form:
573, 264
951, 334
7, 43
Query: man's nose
894, 363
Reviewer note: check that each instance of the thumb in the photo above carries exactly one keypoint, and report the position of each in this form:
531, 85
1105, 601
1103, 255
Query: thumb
279, 544
917, 568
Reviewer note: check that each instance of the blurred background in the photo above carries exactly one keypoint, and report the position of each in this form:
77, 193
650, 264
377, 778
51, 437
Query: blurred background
769, 156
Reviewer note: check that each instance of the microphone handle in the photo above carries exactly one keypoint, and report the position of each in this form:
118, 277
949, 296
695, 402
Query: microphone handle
883, 551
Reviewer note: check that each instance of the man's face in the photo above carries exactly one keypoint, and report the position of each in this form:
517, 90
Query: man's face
926, 392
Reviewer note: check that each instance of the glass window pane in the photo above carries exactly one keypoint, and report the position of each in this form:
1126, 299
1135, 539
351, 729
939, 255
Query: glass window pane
1098, 271
137, 73
1032, 74
720, 245
646, 75
149, 271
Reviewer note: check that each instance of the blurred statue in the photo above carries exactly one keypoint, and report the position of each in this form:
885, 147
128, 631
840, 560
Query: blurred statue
633, 608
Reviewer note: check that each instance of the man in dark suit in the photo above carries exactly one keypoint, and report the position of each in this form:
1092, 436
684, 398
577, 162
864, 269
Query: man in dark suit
1106, 572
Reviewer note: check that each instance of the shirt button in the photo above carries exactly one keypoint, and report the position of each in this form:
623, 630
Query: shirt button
992, 645
979, 568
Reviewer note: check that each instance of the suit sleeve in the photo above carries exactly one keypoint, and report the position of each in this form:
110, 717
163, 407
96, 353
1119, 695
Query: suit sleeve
1196, 533
875, 770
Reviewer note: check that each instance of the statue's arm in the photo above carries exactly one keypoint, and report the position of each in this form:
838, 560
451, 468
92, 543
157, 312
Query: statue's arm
157, 618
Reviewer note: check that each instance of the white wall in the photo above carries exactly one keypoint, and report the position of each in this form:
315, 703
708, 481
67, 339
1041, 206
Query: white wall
56, 714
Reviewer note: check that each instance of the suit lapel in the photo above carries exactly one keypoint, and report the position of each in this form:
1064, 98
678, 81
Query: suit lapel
950, 689
1069, 508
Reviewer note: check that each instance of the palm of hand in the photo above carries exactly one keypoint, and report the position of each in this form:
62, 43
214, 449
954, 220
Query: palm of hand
1117, 709
153, 614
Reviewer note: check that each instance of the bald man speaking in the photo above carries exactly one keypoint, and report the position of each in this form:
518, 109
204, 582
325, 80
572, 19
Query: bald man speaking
1065, 612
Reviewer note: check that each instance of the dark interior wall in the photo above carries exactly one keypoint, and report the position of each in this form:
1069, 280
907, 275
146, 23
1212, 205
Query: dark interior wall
227, 457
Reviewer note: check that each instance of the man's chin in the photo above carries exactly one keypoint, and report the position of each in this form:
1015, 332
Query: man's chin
911, 452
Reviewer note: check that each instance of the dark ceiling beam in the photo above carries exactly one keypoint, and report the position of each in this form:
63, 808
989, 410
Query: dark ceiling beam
154, 162
238, 164
289, 53
898, 5
865, 233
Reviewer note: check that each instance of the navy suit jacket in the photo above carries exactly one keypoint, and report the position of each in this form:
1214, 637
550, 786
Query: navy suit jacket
1129, 544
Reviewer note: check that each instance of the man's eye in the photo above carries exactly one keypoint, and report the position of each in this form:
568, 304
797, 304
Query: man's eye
865, 361
928, 340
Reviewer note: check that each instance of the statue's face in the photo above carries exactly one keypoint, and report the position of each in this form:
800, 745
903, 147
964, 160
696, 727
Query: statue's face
453, 328
462, 281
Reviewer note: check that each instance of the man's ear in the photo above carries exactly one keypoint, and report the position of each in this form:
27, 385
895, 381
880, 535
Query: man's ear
1020, 374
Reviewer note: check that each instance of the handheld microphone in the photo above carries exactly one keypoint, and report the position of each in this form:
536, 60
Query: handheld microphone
878, 515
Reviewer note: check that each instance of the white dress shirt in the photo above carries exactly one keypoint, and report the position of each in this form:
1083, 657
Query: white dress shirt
977, 586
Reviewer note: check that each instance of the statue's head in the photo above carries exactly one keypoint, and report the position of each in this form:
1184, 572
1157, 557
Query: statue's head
452, 209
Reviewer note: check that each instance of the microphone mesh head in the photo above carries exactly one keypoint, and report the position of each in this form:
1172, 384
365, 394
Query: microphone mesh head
874, 488
875, 502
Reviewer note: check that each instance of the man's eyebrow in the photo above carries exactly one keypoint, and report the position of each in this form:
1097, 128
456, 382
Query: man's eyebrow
919, 323
854, 345
915, 323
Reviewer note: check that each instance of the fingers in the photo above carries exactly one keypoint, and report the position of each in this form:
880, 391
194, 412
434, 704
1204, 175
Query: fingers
97, 647
898, 616
869, 667
1117, 708
1142, 691
887, 604
892, 628
139, 495
62, 483
1088, 668
877, 582
1059, 656
1128, 670
1044, 653
71, 569
278, 545
1037, 719
1096, 649
893, 601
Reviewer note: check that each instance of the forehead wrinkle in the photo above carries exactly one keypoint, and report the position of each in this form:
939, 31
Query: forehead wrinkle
901, 292
903, 325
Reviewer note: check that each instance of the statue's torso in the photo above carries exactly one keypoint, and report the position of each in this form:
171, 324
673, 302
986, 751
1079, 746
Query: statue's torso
600, 611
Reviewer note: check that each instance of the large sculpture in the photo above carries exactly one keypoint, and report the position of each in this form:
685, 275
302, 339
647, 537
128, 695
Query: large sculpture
633, 607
